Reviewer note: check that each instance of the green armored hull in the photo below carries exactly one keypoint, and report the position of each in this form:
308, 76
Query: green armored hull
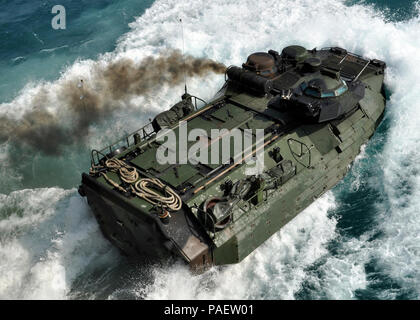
305, 115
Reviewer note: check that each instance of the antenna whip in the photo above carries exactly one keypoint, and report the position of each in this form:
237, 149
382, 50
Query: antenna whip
183, 55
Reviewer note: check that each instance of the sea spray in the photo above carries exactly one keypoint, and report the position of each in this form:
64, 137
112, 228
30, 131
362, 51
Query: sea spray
291, 260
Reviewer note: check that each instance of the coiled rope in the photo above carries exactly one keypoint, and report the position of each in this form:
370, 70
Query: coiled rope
127, 173
170, 199
143, 188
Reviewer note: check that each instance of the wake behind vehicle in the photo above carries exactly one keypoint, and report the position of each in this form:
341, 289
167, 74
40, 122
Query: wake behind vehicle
313, 110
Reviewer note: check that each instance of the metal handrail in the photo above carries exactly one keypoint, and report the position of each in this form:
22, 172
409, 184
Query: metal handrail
146, 132
366, 62
195, 101
348, 53
144, 135
361, 71
92, 156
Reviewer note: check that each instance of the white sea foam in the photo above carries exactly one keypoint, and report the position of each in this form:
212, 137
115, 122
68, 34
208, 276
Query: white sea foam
47, 238
228, 31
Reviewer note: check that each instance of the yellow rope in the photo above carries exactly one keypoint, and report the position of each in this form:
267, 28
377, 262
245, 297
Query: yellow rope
110, 181
127, 173
170, 200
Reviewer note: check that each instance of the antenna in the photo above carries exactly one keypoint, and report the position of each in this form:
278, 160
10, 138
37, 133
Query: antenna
183, 54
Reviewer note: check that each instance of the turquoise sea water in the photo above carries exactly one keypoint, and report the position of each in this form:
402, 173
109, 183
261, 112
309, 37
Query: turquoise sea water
359, 241
32, 51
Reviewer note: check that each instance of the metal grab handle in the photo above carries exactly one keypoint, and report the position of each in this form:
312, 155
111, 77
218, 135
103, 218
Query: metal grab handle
360, 73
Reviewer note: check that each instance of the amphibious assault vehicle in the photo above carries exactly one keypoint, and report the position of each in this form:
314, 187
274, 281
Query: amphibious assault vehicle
315, 109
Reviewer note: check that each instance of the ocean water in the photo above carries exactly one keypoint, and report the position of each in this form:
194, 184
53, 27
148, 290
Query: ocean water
361, 240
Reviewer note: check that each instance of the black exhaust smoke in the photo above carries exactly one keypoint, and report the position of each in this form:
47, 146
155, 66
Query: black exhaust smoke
92, 102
